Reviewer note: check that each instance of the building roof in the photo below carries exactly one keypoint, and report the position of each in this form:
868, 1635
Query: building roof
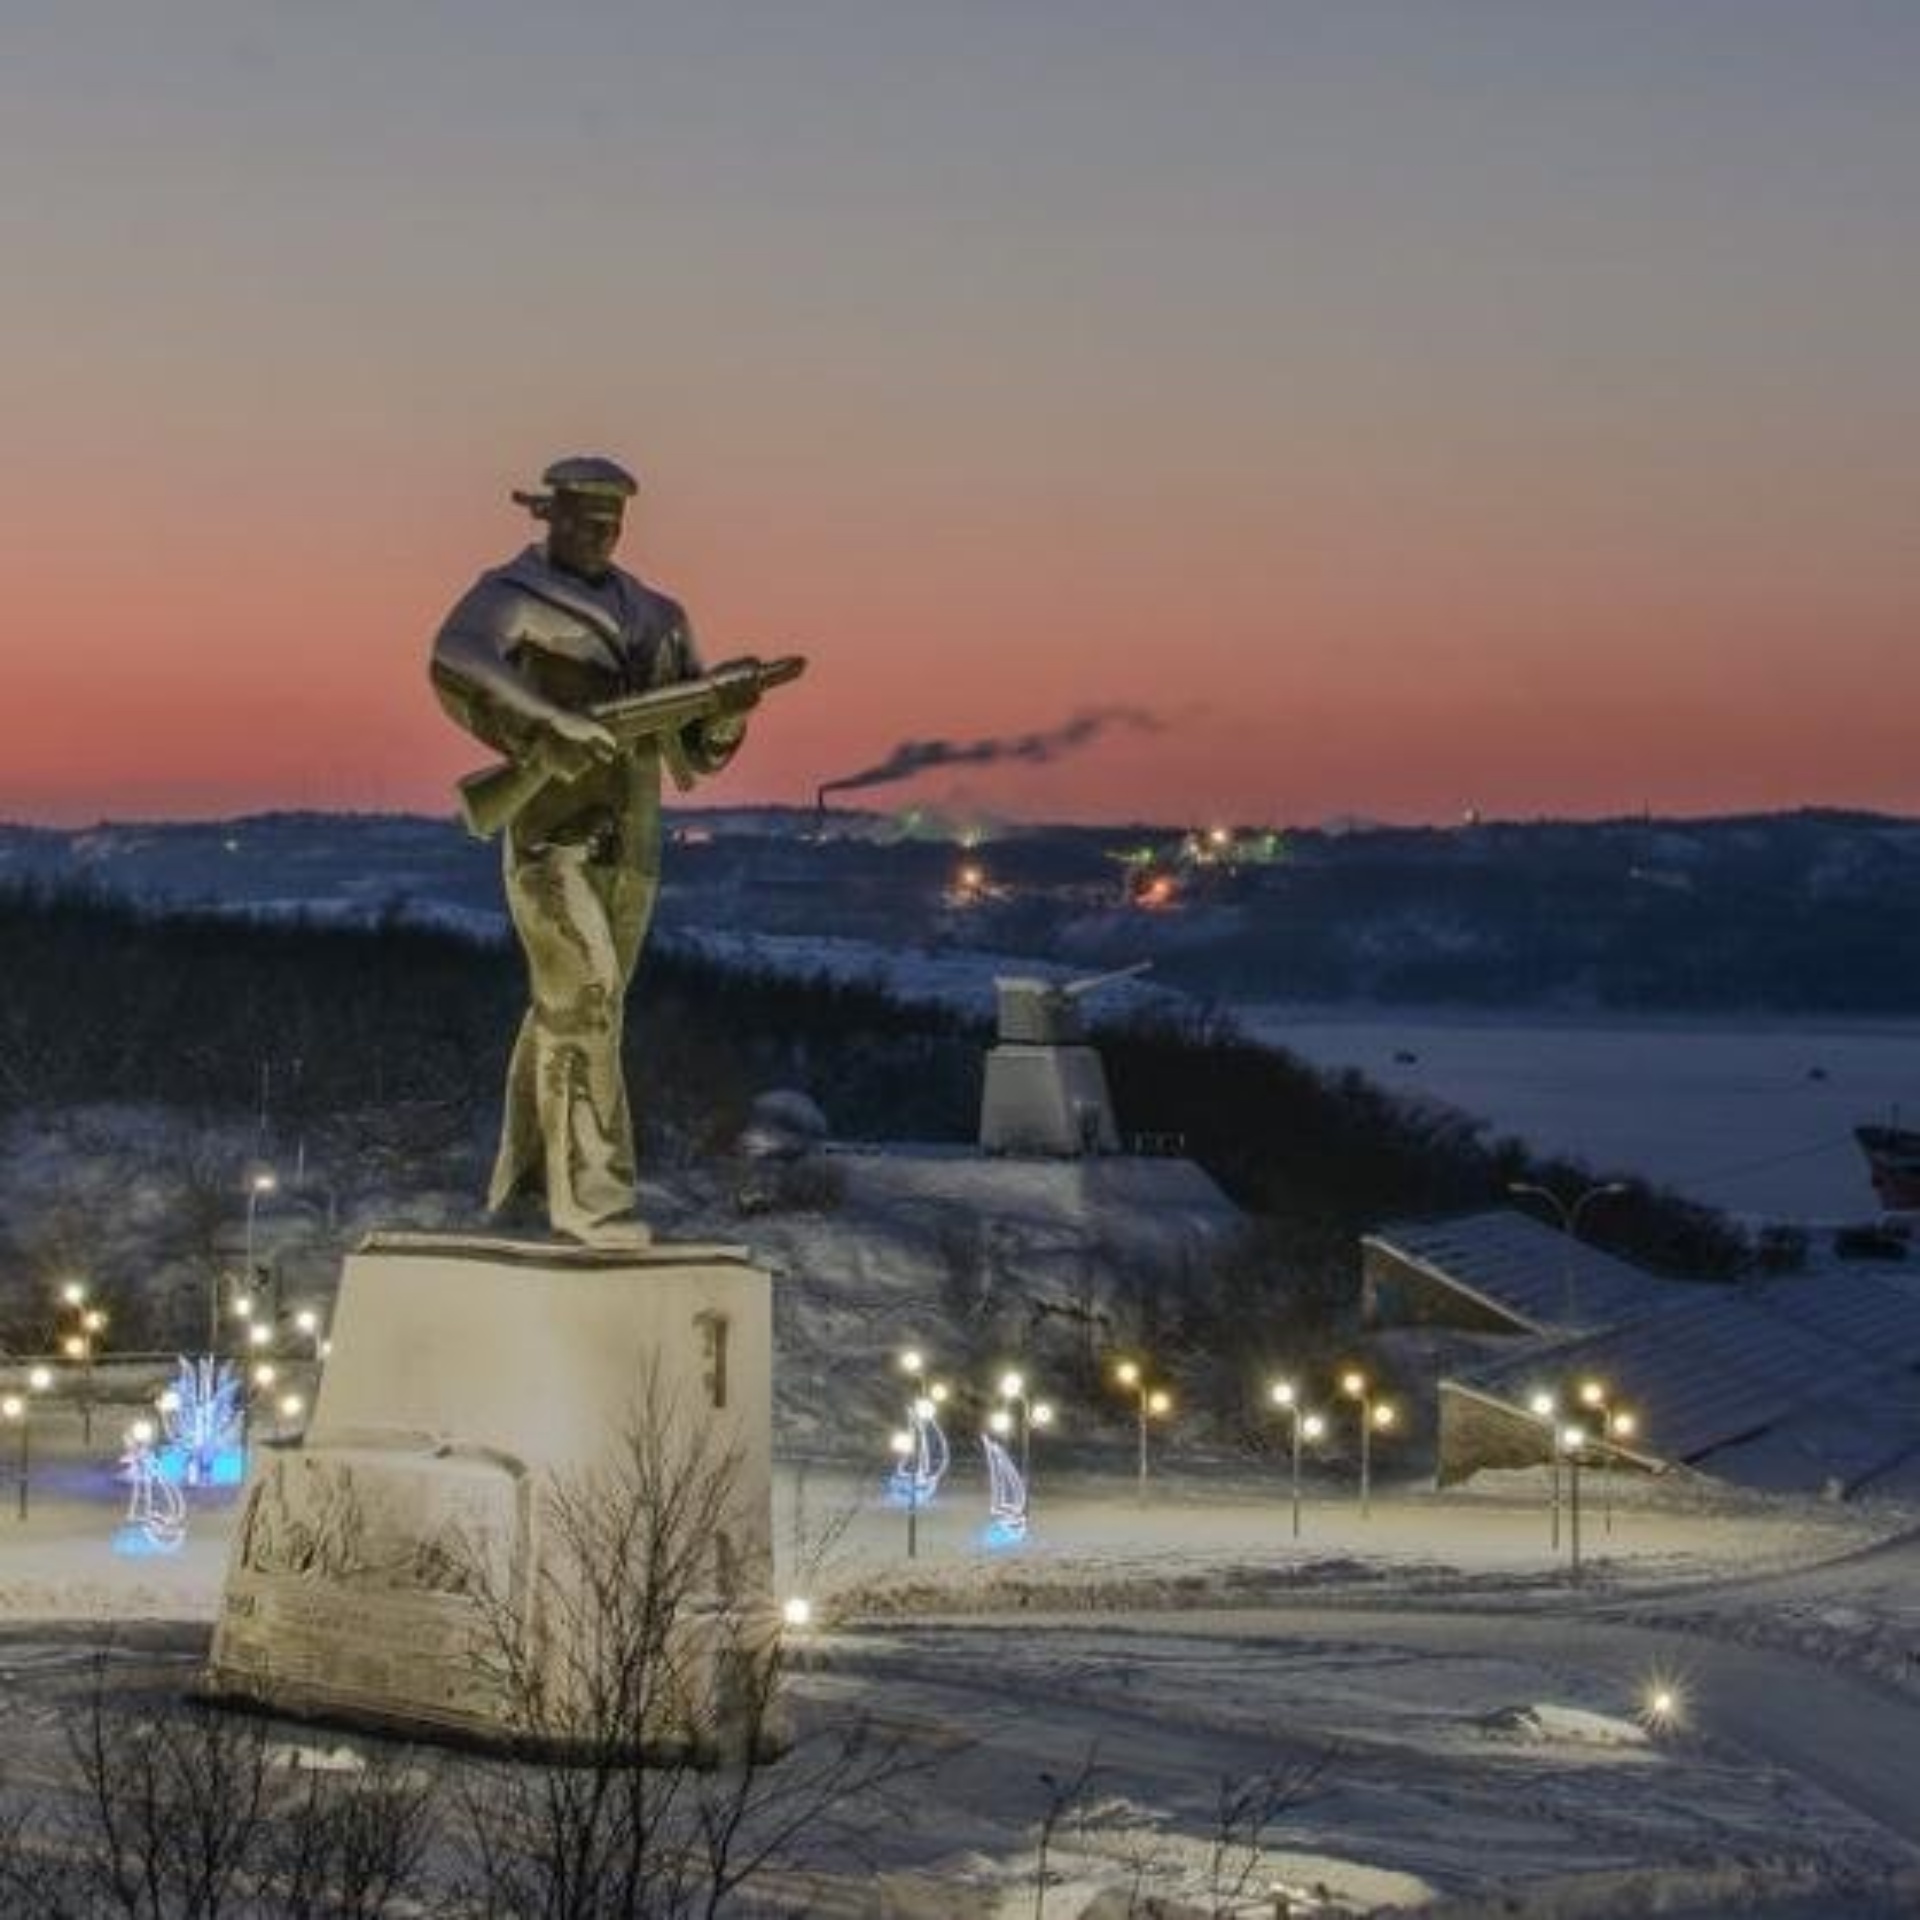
1530, 1272
1796, 1381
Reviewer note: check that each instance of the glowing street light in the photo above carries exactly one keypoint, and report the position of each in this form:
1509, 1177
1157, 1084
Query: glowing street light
310, 1327
1594, 1397
15, 1412
1150, 1403
1573, 1443
1307, 1426
1546, 1408
901, 1441
260, 1183
78, 1344
1026, 1413
1376, 1416
1570, 1227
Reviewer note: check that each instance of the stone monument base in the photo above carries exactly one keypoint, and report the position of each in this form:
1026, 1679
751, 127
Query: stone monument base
492, 1410
1046, 1100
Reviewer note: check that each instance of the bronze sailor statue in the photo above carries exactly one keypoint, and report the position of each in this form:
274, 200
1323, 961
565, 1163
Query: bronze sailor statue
587, 680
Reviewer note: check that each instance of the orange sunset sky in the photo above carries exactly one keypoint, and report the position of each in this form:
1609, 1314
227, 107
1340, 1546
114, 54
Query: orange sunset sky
1419, 406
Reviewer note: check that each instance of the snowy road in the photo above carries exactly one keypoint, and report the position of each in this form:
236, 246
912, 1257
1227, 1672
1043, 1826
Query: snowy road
1785, 1765
1855, 1740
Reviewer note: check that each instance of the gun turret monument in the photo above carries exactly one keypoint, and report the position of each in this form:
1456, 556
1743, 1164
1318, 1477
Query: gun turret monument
417, 1561
1046, 1091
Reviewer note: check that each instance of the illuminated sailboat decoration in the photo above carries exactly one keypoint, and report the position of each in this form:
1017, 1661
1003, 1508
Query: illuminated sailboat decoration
916, 1479
1006, 1496
156, 1519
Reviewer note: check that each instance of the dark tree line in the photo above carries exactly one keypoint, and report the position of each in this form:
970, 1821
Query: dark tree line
107, 1002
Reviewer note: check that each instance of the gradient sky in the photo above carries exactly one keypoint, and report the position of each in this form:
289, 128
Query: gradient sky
1509, 404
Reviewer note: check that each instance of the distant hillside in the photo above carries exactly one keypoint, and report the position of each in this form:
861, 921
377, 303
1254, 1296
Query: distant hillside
109, 1003
1815, 912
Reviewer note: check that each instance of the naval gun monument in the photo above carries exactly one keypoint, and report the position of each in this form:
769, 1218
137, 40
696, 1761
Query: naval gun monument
1046, 1091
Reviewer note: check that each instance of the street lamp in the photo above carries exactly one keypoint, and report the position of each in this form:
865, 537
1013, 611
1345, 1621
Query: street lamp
307, 1323
1593, 1396
13, 1409
1573, 1441
1150, 1403
1375, 1417
1544, 1407
1619, 1426
1570, 1226
901, 1442
260, 1183
78, 1344
1308, 1426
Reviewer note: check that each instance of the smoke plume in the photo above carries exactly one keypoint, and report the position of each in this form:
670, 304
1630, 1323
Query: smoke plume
913, 757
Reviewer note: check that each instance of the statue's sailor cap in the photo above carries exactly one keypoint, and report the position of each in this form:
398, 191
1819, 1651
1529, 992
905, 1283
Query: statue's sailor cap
587, 473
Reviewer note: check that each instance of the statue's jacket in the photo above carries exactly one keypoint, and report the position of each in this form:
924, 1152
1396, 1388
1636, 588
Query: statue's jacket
527, 638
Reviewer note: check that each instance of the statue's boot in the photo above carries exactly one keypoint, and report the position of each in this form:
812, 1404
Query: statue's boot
589, 1149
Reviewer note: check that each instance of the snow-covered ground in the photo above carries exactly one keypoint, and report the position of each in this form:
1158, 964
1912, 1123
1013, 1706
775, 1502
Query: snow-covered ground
1752, 1115
1413, 1708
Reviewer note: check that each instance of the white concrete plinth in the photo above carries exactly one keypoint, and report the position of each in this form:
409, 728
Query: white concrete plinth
1050, 1100
471, 1381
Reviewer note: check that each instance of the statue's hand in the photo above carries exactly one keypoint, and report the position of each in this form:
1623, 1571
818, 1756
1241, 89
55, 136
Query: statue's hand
576, 743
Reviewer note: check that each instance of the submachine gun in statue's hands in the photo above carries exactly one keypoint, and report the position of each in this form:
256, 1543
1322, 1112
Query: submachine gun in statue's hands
490, 799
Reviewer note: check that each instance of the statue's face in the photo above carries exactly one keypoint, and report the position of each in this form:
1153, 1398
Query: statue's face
582, 531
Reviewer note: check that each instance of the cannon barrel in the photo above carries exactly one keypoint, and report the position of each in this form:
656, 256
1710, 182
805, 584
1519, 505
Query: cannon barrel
1075, 988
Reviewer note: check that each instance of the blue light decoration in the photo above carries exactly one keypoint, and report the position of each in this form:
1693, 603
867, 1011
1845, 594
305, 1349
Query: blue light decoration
201, 1414
156, 1521
1006, 1497
915, 1481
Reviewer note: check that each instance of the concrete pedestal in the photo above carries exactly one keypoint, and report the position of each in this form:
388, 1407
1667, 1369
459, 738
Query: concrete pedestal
410, 1564
1050, 1100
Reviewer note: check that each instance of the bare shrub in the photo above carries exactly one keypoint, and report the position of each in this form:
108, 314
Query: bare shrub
657, 1775
172, 1811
